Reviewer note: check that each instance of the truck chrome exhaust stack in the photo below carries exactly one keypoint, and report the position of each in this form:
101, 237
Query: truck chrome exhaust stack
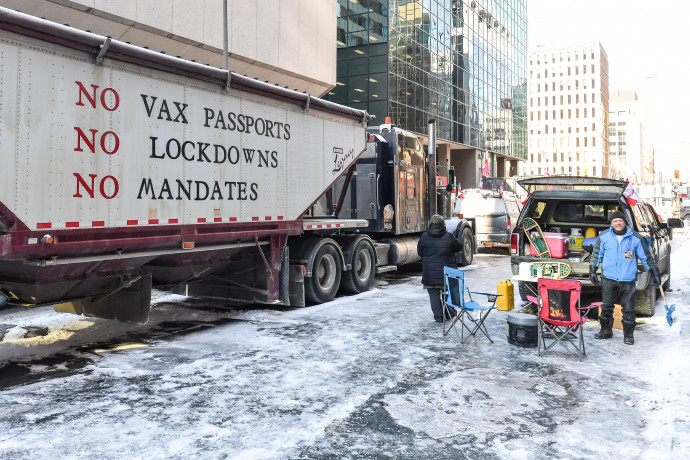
431, 158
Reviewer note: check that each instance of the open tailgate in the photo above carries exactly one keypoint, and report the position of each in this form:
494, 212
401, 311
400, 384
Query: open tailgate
574, 187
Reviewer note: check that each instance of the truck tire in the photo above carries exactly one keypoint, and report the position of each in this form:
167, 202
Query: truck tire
361, 276
526, 288
645, 300
466, 254
324, 281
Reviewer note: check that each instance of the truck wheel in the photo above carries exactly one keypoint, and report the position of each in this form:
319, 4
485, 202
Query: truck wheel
360, 277
467, 252
645, 300
323, 284
526, 288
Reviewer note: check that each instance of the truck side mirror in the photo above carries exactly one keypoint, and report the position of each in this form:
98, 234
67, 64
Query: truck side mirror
674, 222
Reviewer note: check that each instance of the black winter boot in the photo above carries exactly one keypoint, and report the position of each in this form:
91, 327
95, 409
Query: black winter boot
606, 331
628, 338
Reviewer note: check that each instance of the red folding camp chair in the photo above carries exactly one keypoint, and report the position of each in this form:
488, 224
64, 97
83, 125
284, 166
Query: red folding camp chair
560, 315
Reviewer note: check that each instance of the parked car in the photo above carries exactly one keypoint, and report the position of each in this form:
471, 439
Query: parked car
578, 206
685, 212
493, 211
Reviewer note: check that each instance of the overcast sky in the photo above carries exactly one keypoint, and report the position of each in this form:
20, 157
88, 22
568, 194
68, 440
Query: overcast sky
648, 47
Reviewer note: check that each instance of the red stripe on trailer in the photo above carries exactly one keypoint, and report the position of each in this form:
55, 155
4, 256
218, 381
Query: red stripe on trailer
172, 221
71, 224
319, 226
280, 217
98, 223
217, 219
201, 220
267, 218
132, 222
337, 225
233, 219
255, 218
44, 225
153, 221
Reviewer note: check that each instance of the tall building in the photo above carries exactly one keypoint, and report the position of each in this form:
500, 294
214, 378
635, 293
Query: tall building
460, 62
568, 111
629, 155
289, 43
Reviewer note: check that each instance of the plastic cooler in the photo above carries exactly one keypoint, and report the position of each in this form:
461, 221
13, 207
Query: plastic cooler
558, 245
522, 330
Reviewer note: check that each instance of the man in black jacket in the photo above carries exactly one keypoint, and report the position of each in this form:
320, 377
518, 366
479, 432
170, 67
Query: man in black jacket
436, 247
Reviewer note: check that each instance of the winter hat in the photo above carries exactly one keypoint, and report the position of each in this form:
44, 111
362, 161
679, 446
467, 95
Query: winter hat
437, 221
617, 215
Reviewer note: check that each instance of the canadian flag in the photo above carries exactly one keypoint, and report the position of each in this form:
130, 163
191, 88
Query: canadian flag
631, 195
485, 171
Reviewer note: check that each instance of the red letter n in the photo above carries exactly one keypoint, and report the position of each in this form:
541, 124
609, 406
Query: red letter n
81, 136
82, 182
82, 91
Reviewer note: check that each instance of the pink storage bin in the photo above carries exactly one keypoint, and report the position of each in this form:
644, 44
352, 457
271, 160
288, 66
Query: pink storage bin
558, 245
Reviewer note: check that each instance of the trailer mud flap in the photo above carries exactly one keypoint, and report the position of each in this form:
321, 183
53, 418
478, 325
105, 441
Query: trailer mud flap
297, 285
129, 304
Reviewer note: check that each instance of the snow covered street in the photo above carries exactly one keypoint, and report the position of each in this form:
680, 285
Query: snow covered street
365, 376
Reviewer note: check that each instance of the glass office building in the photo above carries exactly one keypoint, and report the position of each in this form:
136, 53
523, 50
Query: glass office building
460, 62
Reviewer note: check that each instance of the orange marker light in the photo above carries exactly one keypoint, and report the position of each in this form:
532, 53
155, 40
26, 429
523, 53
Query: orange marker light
187, 245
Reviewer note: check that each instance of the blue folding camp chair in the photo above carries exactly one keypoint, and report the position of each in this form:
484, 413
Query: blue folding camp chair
470, 314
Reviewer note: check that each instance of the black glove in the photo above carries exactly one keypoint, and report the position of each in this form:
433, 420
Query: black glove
656, 277
593, 277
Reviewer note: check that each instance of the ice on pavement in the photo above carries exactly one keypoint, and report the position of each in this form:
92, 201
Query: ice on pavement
360, 377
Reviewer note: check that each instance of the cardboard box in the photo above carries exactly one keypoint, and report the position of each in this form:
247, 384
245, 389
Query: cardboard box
617, 316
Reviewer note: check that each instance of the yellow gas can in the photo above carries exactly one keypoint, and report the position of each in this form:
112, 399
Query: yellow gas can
506, 302
590, 232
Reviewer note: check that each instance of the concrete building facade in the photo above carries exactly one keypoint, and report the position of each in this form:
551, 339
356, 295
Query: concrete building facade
289, 43
629, 154
568, 107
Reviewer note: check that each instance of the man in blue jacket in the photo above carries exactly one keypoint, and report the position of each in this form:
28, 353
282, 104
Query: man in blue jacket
617, 250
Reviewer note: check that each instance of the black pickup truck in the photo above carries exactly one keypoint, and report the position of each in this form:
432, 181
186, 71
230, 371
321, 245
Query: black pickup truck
574, 205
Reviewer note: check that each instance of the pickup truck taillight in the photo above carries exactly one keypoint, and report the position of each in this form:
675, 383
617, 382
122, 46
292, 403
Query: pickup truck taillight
513, 244
508, 225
